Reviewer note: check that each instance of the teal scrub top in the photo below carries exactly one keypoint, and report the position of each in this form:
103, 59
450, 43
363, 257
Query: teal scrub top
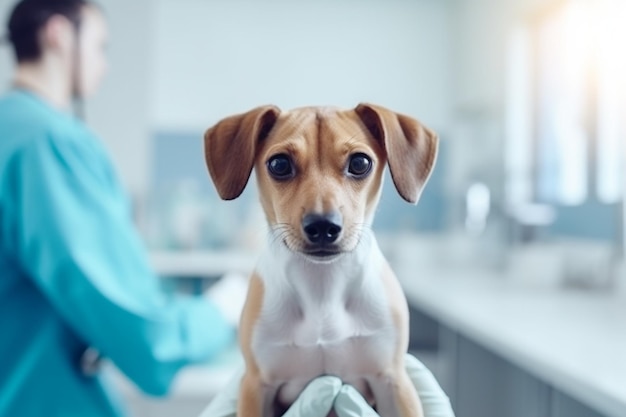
74, 274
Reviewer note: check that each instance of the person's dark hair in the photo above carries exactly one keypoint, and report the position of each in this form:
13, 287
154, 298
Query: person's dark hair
29, 16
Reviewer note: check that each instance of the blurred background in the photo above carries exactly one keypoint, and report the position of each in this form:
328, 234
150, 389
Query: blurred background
513, 260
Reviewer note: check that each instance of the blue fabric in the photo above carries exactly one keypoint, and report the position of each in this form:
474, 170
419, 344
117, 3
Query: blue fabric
74, 273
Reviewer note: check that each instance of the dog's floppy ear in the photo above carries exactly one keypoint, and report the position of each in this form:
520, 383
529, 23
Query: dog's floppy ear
230, 147
410, 146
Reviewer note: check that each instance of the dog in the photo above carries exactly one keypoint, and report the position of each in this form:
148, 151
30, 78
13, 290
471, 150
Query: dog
322, 299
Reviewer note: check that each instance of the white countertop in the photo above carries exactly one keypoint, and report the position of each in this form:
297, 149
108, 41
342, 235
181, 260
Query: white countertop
572, 339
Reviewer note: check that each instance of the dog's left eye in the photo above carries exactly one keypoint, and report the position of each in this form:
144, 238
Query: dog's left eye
280, 167
359, 165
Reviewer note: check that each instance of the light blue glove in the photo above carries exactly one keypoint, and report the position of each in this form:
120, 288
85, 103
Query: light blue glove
327, 392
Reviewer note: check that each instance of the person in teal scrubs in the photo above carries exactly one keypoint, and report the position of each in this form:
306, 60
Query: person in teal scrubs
75, 280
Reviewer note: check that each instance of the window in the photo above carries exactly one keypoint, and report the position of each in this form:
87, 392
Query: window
566, 112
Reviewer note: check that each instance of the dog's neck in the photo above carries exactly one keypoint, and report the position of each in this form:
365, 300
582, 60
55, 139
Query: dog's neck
315, 283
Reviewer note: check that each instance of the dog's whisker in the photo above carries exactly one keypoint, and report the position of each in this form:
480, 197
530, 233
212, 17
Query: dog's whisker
283, 233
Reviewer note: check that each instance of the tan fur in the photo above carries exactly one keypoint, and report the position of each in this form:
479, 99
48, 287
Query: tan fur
404, 392
250, 402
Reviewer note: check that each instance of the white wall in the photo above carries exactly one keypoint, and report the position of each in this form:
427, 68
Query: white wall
6, 57
121, 111
216, 58
481, 30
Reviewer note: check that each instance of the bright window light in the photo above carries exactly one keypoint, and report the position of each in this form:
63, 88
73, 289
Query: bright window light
610, 59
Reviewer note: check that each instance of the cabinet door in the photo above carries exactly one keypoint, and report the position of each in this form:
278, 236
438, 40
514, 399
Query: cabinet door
489, 386
565, 406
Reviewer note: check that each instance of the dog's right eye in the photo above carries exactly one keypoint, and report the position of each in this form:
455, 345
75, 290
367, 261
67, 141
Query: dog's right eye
360, 165
280, 167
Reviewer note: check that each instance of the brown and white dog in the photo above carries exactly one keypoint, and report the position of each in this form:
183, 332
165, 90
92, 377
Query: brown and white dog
322, 299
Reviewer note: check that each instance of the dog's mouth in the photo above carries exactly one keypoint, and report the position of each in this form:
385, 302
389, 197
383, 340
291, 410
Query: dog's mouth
322, 253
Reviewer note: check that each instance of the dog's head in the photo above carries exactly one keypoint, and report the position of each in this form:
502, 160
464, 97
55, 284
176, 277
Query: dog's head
320, 170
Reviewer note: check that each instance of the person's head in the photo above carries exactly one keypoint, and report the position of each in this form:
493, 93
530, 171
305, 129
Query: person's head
68, 35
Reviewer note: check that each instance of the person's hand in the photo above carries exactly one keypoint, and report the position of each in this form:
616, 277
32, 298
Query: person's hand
326, 392
316, 399
435, 402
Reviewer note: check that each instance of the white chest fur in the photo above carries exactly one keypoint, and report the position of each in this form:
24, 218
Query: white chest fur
322, 319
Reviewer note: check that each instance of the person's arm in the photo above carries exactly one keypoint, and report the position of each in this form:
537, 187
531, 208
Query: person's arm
76, 240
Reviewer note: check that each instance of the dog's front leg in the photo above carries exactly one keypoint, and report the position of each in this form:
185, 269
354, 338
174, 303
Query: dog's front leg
256, 399
250, 402
252, 398
395, 395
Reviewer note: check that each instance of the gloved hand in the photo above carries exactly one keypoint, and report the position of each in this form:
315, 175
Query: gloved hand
326, 392
229, 296
315, 401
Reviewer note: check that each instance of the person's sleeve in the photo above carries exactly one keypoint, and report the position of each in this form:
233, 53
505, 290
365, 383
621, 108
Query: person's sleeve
77, 241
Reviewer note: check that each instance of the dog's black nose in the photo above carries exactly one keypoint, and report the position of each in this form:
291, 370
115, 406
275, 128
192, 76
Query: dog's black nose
321, 229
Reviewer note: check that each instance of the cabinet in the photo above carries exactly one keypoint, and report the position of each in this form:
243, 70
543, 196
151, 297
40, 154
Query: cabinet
480, 383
